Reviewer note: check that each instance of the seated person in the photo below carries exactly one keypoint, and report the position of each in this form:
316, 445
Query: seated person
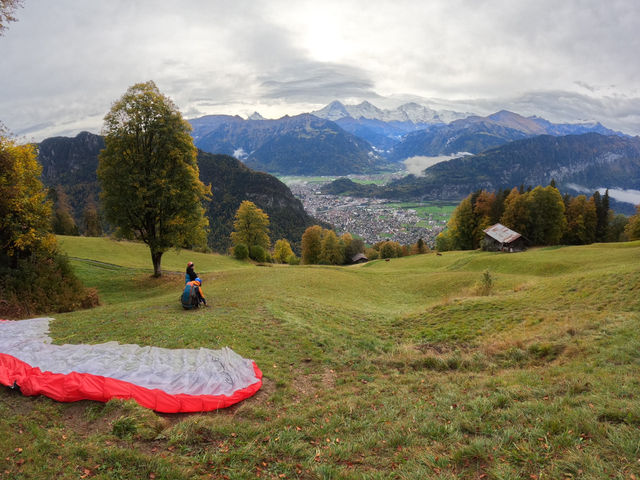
190, 274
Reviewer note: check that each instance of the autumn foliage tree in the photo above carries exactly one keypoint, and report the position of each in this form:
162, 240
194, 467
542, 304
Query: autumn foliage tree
312, 245
517, 213
251, 227
582, 221
461, 229
632, 229
151, 189
34, 278
25, 212
91, 221
419, 247
282, 252
62, 221
332, 251
541, 215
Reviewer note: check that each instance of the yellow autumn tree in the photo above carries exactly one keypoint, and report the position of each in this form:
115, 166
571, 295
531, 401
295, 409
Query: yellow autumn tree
27, 247
251, 226
331, 252
282, 251
312, 245
25, 212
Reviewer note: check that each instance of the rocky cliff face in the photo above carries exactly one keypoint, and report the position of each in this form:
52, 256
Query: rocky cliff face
68, 160
71, 163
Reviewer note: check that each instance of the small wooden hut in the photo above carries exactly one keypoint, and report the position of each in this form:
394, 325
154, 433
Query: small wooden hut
499, 238
359, 258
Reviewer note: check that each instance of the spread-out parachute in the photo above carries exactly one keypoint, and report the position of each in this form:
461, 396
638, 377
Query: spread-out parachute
165, 380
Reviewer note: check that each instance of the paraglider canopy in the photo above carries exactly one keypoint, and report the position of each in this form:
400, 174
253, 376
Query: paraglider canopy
165, 380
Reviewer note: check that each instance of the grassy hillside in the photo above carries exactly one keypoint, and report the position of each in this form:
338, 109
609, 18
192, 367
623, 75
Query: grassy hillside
394, 369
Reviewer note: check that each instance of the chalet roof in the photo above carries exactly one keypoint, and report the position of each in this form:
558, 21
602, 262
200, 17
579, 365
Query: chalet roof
501, 233
359, 256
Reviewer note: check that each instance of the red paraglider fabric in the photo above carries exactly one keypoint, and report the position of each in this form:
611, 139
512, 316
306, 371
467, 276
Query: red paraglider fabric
70, 386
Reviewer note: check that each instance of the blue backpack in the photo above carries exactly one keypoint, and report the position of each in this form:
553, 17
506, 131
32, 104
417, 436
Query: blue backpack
189, 297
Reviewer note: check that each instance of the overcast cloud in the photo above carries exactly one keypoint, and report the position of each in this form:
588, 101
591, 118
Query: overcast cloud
64, 63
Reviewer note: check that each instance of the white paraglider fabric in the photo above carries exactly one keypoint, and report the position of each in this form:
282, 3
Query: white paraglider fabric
202, 372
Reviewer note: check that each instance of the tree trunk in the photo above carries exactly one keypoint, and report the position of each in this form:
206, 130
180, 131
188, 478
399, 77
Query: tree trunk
155, 258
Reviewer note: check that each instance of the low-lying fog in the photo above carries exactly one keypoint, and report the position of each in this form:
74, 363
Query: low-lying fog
416, 165
627, 196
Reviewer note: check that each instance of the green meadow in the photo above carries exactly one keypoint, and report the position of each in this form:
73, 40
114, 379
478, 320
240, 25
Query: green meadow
424, 209
461, 365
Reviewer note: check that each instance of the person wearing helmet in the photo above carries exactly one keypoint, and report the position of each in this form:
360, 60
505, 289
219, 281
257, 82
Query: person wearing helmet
192, 296
191, 274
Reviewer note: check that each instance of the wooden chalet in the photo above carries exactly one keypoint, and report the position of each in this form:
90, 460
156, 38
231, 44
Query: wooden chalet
499, 238
359, 258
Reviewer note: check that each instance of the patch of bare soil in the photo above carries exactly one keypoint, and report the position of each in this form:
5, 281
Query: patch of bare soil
308, 385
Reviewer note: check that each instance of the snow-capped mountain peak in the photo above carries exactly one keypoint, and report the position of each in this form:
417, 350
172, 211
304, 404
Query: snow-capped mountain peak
364, 110
409, 112
255, 116
334, 111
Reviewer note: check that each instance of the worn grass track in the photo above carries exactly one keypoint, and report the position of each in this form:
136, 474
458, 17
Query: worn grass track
393, 369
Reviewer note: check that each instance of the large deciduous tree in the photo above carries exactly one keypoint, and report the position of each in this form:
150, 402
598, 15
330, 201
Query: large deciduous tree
462, 227
312, 245
582, 220
517, 212
251, 226
548, 221
150, 181
331, 253
33, 277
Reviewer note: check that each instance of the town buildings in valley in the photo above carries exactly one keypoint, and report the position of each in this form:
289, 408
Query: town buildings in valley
373, 220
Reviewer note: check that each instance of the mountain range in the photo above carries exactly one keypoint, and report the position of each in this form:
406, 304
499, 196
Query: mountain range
406, 113
299, 145
71, 163
590, 160
476, 134
344, 139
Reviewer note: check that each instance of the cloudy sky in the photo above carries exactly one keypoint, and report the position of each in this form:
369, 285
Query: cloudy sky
64, 62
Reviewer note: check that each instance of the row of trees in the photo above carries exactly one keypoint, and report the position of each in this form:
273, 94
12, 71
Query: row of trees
542, 215
63, 223
319, 245
250, 237
323, 246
